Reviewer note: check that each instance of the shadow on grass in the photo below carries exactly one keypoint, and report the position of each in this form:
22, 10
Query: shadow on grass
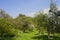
45, 37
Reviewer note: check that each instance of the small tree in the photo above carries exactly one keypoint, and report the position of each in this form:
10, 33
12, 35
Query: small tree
40, 21
23, 23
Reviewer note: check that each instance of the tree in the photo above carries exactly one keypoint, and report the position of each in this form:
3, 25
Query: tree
40, 21
7, 32
23, 23
3, 14
53, 19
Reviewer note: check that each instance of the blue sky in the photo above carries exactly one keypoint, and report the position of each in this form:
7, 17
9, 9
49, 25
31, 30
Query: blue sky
14, 7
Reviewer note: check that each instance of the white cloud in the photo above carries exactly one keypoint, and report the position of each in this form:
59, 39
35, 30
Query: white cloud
59, 8
44, 11
31, 14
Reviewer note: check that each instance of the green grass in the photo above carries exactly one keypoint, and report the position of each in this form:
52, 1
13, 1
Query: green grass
34, 36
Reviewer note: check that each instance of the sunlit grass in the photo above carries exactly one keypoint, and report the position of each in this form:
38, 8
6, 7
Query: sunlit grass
34, 36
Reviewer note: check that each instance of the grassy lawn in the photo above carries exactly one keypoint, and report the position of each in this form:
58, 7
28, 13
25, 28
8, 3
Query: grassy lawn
34, 36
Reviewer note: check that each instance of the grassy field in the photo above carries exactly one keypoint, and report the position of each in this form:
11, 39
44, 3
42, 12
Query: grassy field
34, 36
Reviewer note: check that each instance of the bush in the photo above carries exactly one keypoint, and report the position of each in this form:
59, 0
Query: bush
7, 31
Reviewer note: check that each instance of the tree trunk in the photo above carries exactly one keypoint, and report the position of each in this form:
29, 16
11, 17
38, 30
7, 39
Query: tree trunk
48, 29
39, 33
48, 35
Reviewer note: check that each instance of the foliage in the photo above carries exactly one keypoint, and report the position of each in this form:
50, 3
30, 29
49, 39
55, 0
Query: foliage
23, 23
3, 14
6, 30
40, 22
47, 24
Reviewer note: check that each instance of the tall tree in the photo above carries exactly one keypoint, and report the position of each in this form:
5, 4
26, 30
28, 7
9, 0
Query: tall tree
52, 19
